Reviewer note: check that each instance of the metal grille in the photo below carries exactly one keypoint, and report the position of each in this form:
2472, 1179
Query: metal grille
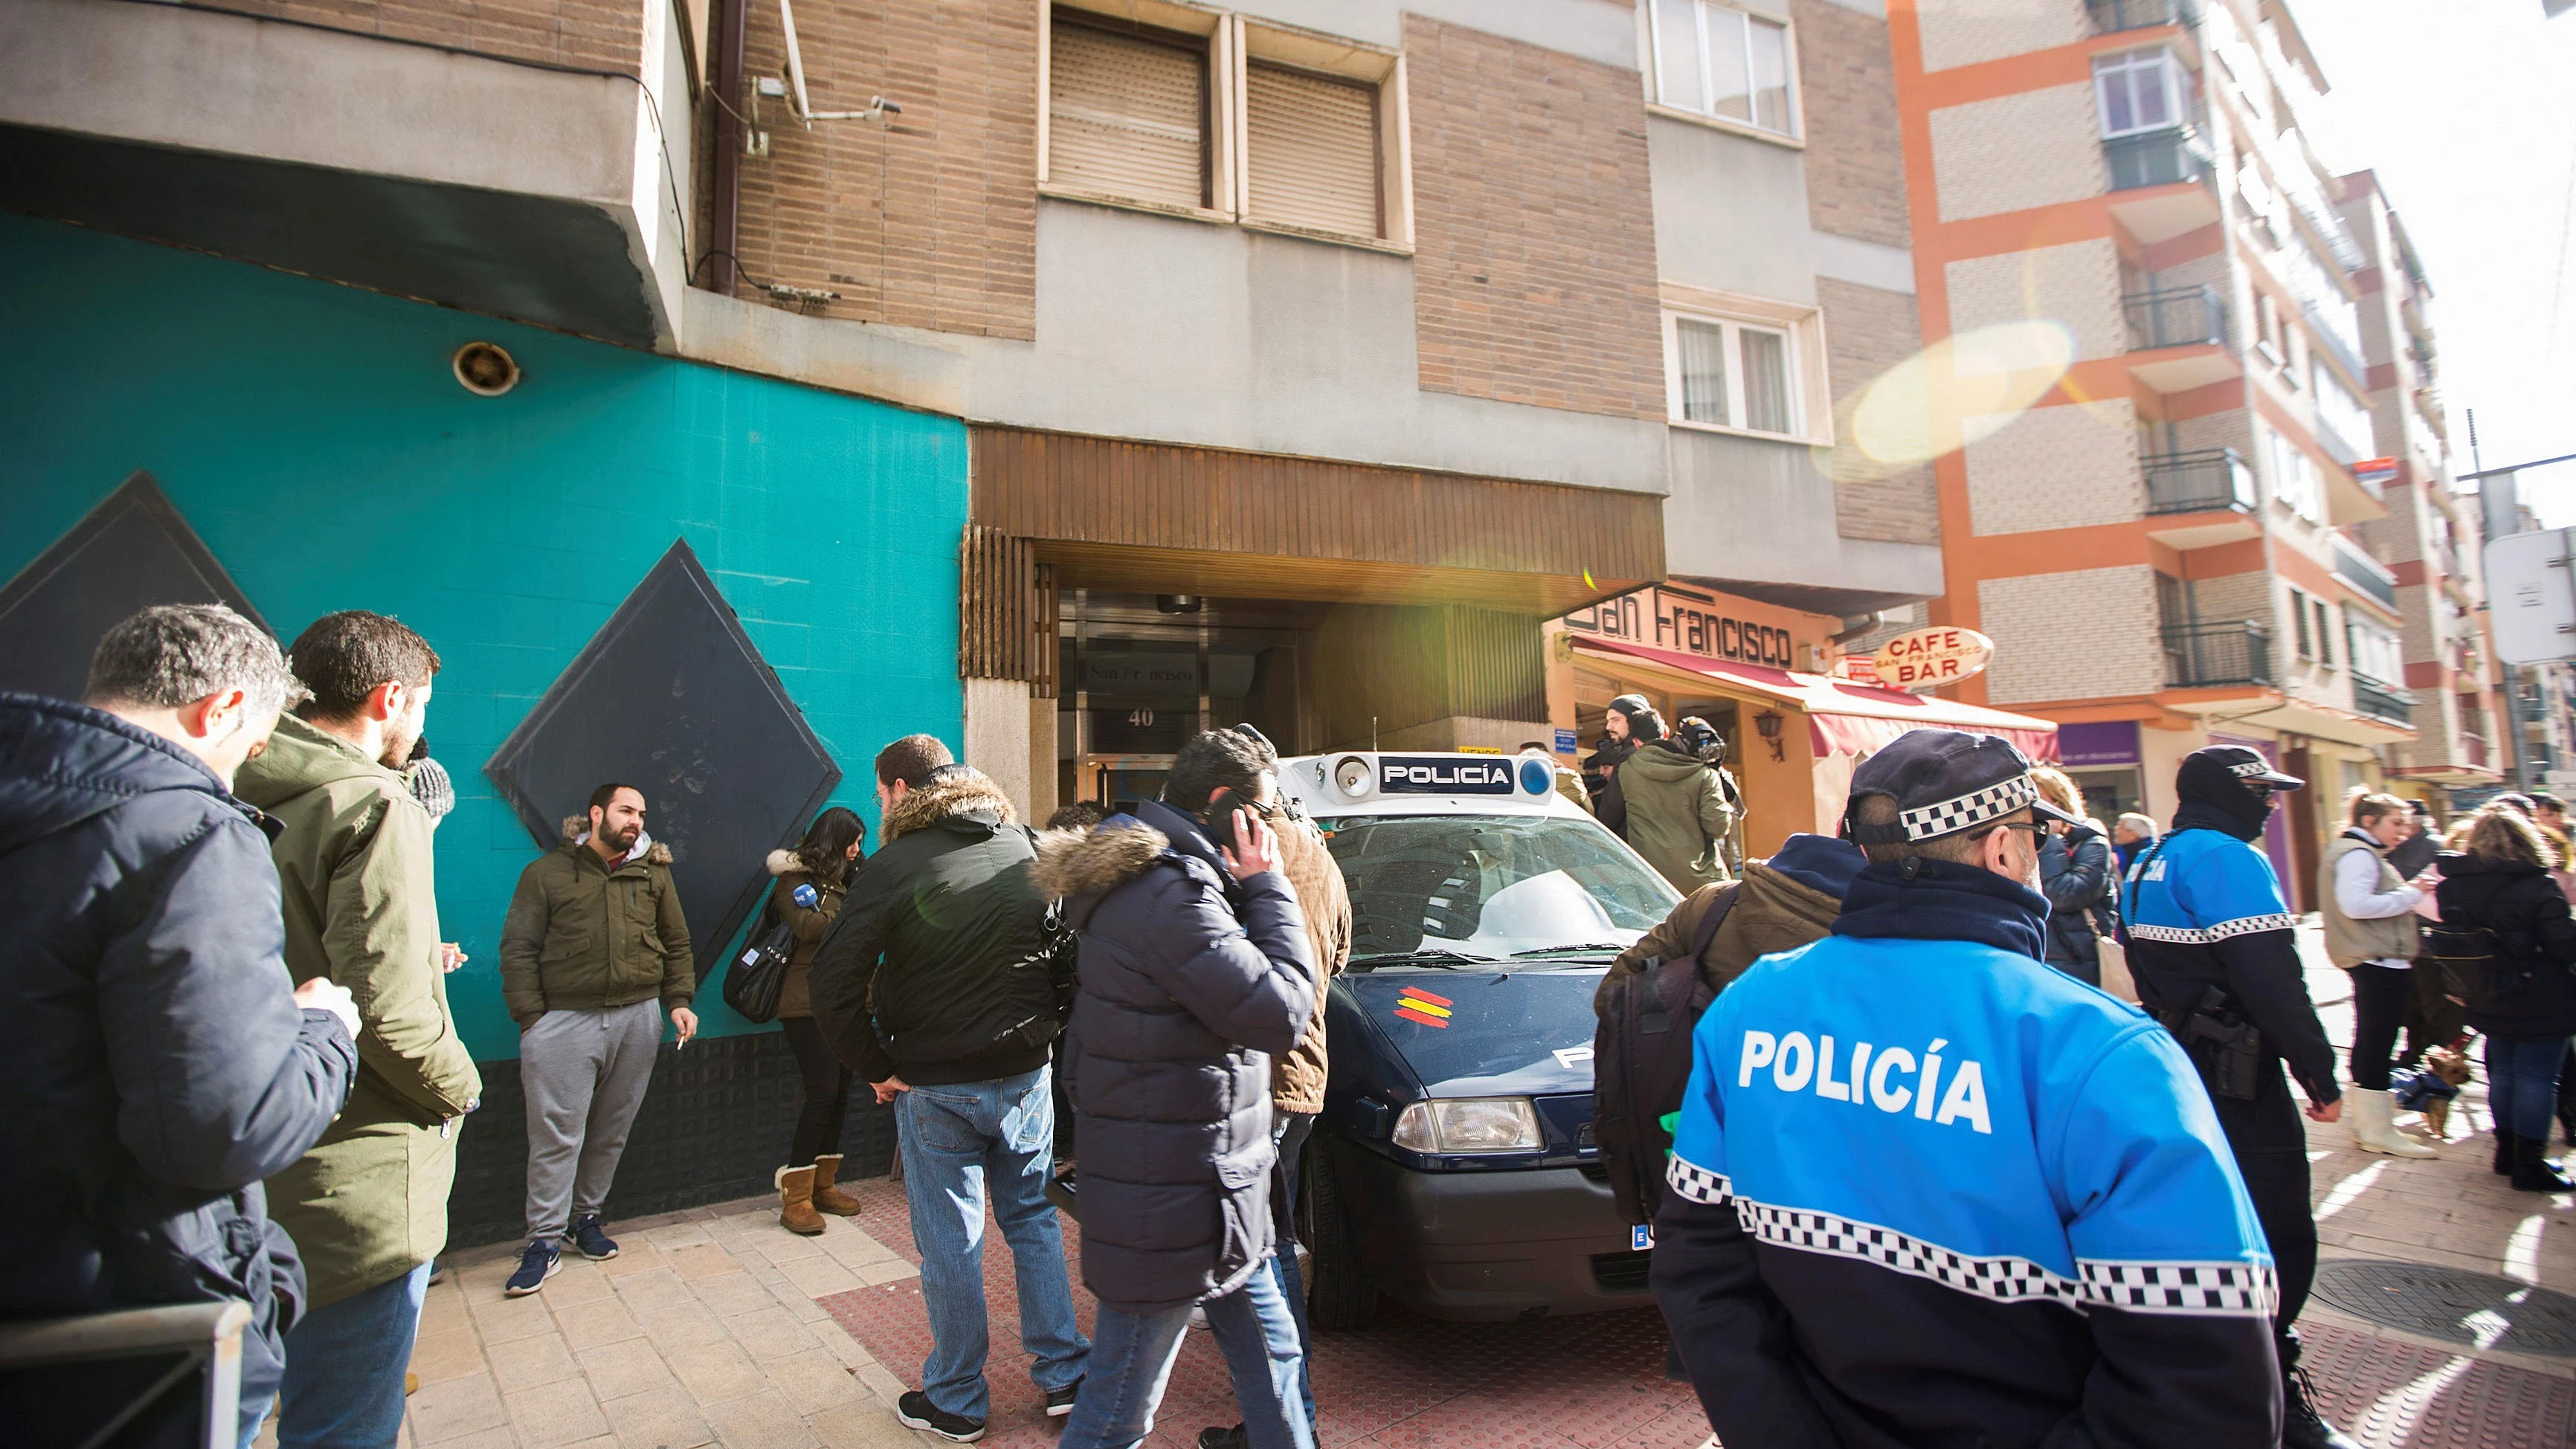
2453, 1305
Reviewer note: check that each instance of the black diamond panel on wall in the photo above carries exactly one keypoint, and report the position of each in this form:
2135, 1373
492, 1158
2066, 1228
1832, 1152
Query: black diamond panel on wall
131, 552
672, 697
714, 1127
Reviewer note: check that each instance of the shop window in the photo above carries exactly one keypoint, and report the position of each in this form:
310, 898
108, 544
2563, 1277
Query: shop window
1127, 112
1752, 374
1717, 61
2141, 90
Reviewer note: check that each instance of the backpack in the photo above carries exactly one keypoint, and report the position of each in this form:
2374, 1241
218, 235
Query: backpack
1641, 1063
2482, 969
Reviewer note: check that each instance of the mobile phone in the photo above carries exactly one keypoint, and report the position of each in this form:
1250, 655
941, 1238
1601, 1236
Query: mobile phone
1220, 819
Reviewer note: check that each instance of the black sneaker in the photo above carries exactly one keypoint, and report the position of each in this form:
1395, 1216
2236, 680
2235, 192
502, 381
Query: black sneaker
1235, 1438
595, 1244
2302, 1427
1060, 1401
915, 1411
541, 1261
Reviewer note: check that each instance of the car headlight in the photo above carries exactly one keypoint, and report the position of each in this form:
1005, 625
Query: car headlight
1469, 1124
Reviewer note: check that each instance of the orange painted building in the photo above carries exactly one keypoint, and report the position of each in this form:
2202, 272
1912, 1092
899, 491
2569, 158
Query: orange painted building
2149, 390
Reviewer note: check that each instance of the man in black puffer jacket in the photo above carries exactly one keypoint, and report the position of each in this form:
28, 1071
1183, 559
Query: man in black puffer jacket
161, 1061
943, 982
1195, 972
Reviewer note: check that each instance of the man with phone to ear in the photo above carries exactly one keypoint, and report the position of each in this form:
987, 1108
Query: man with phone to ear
1195, 973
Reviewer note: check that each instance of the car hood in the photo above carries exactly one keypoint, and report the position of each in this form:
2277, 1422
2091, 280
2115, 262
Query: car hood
1490, 1032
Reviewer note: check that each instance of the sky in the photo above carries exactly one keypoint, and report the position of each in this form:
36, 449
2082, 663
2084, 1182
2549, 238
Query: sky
2466, 111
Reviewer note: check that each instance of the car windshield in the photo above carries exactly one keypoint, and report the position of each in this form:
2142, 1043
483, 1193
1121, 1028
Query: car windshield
1457, 889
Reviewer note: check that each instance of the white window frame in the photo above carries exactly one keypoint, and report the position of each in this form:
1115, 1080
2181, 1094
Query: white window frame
1650, 23
1801, 329
1234, 42
2170, 73
2302, 494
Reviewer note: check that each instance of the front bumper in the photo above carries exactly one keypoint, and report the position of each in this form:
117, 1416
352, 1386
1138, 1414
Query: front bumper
1490, 1245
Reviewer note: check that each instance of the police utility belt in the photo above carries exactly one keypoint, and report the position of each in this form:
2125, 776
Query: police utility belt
2227, 1049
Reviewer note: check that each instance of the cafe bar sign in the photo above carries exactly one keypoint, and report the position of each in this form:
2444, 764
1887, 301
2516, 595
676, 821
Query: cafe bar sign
1690, 621
1923, 658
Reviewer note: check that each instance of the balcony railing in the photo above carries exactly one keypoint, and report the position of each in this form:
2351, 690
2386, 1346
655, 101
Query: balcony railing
2366, 574
2238, 651
2324, 331
2381, 702
2111, 16
2156, 158
2198, 482
2175, 317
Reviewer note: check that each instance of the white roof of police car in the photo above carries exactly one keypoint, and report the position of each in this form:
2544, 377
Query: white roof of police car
1299, 780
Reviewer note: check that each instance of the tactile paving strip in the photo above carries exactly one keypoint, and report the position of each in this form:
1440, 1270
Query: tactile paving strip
1597, 1381
2455, 1305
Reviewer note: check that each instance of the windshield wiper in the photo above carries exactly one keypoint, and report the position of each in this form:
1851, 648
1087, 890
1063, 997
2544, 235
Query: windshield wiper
1451, 960
1583, 948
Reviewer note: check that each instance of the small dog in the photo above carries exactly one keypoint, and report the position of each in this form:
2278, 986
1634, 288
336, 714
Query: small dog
2430, 1091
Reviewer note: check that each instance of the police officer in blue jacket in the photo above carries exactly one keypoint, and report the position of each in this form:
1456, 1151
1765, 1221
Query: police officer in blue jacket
1928, 1191
2211, 948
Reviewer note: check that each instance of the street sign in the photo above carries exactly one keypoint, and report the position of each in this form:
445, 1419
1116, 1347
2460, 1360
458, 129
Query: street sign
2532, 596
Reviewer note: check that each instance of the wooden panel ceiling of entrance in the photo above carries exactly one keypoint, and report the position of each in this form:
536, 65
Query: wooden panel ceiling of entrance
1154, 518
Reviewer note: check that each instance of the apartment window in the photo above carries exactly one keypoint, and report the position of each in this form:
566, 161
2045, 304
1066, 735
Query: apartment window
1735, 374
2296, 480
1715, 60
2345, 416
1180, 108
2141, 90
1311, 151
2299, 625
2324, 630
1128, 113
2374, 653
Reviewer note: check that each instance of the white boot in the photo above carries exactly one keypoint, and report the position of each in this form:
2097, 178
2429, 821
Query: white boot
2372, 1130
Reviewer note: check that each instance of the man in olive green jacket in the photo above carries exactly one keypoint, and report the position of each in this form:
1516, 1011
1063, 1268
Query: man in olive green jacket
368, 1204
594, 948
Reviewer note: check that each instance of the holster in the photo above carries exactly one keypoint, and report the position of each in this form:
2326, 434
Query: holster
2225, 1048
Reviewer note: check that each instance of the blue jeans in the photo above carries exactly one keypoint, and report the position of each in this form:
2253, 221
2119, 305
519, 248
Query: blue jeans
1289, 1131
2522, 1082
1131, 1361
344, 1368
958, 1139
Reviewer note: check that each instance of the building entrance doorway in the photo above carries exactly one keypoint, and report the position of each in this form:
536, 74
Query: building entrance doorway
1143, 673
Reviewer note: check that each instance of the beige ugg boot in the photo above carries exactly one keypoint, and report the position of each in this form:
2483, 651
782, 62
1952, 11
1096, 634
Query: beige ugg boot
796, 1201
827, 1198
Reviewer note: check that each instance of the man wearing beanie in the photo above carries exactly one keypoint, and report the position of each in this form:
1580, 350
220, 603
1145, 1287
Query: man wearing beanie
1927, 1190
1621, 733
2211, 948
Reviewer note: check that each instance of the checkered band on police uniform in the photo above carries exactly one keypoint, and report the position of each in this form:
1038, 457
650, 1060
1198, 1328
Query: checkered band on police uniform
1967, 812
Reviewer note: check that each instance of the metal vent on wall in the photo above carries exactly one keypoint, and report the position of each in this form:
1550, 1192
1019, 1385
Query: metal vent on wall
132, 551
671, 696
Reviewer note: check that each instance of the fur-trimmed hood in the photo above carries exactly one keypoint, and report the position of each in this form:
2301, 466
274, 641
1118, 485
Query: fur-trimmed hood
576, 831
957, 790
780, 862
1073, 863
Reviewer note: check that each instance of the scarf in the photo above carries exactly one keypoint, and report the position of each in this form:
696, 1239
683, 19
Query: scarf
1944, 901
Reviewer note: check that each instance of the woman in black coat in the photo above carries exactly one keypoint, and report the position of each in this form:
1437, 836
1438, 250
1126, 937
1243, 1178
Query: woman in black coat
2075, 873
2527, 1004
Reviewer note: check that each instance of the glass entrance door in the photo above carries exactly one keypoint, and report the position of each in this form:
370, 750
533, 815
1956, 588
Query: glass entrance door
1139, 682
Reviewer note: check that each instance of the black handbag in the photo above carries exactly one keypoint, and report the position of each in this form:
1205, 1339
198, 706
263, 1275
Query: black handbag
753, 982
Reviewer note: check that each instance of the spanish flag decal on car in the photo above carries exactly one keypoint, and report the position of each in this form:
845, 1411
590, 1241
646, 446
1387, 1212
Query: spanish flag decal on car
1415, 1004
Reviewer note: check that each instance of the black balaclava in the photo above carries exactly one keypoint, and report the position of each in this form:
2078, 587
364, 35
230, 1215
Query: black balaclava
2213, 798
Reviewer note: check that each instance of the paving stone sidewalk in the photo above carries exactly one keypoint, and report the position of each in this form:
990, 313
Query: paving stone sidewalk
717, 1327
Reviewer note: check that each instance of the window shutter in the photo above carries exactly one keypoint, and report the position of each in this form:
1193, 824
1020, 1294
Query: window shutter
1127, 116
1311, 153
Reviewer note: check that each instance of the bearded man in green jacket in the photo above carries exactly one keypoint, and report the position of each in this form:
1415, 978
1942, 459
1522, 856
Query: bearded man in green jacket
368, 1204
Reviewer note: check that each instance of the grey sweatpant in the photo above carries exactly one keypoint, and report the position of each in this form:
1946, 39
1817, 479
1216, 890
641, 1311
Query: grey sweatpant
584, 1070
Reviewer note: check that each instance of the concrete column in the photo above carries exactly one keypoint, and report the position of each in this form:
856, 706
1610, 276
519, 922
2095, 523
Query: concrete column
997, 735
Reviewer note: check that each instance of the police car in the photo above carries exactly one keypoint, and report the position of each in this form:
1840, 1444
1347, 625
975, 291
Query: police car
1454, 1168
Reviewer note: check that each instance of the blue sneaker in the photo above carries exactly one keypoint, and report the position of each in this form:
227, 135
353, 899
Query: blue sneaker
541, 1261
595, 1245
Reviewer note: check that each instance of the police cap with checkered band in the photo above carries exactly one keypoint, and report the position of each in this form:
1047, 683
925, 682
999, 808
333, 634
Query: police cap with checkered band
2211, 768
1945, 782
